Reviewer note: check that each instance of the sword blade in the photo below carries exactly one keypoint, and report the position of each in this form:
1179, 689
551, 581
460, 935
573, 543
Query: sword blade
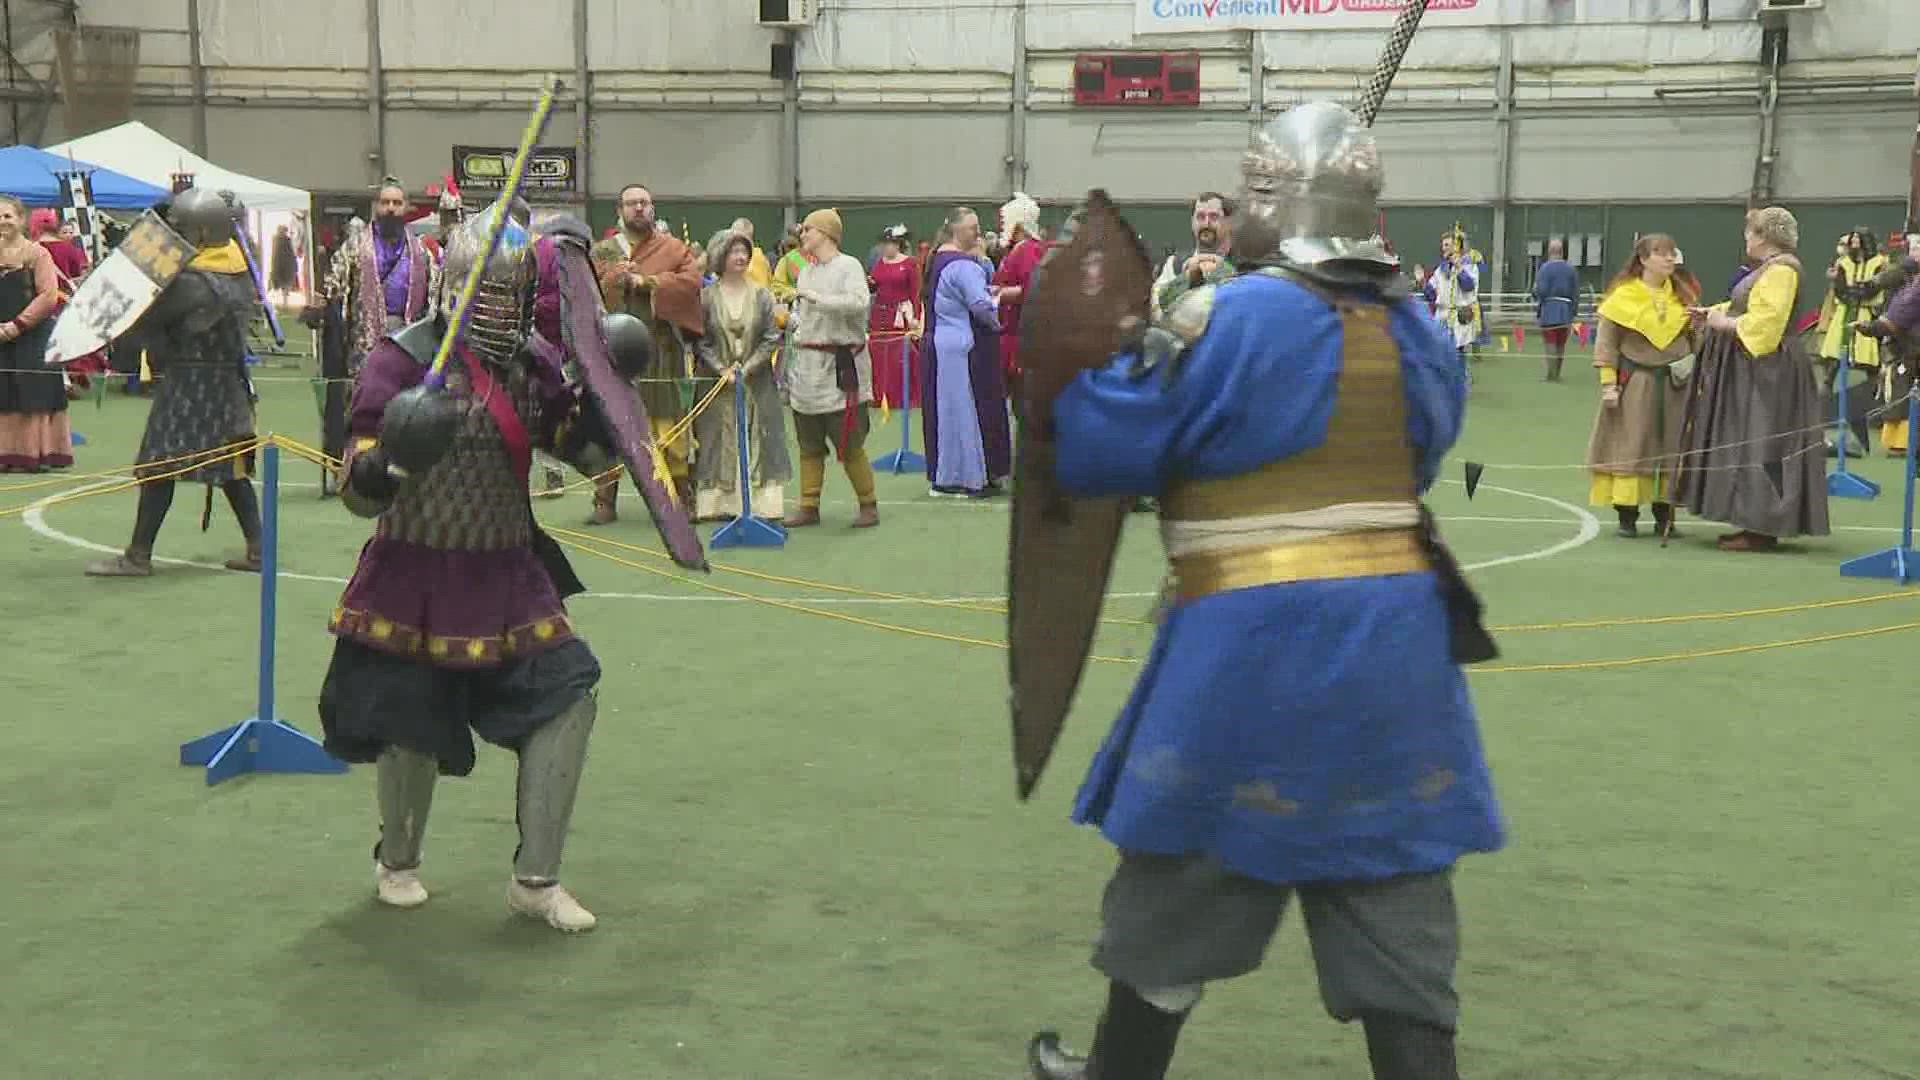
1398, 39
536, 126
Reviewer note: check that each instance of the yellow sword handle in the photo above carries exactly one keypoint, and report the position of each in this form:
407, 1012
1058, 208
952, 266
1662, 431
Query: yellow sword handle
536, 126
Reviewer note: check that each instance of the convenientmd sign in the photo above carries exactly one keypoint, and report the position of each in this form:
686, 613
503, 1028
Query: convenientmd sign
1200, 16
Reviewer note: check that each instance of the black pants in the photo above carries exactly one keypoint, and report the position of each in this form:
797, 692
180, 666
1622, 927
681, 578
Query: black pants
156, 498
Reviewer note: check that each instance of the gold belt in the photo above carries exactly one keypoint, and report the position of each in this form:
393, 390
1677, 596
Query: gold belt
1373, 553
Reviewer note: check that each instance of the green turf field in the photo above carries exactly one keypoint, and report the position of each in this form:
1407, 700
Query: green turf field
801, 838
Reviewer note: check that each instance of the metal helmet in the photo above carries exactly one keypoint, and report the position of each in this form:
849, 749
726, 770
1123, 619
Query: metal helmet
503, 304
630, 342
1310, 191
202, 217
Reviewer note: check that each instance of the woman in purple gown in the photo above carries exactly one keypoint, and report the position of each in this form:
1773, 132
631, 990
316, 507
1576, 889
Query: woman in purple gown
969, 441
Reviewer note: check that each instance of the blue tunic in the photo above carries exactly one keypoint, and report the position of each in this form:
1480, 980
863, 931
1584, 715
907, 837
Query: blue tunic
1556, 286
1299, 732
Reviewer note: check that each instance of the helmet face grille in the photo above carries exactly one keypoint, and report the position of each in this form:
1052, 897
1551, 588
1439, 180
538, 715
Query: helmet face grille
502, 304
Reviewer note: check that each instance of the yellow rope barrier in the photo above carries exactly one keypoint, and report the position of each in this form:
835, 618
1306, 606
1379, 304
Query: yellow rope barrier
243, 448
1694, 654
1000, 608
787, 605
1579, 665
589, 545
68, 478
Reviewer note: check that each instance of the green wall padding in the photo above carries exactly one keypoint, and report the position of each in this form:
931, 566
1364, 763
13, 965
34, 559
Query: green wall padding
1708, 233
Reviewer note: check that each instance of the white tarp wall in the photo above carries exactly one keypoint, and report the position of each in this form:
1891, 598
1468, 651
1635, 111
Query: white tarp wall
913, 99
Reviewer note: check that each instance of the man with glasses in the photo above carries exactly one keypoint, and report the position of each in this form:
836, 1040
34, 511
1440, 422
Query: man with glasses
649, 274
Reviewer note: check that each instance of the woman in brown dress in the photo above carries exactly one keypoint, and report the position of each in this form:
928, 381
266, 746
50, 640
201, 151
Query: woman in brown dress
741, 336
1644, 332
34, 431
1753, 455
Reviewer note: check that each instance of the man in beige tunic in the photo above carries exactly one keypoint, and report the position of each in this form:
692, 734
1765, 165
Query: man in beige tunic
829, 375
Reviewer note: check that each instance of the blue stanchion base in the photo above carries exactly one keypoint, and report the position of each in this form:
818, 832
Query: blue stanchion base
258, 746
900, 461
748, 532
79, 439
1894, 564
1848, 485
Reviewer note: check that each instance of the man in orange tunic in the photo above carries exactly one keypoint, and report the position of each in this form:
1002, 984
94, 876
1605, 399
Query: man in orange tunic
650, 275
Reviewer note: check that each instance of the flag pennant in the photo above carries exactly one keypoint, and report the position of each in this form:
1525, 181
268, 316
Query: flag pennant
1473, 471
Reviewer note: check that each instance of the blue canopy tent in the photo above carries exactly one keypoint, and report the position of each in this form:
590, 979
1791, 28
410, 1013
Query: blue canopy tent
29, 174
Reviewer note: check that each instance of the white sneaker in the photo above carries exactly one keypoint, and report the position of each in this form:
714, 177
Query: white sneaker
554, 904
398, 888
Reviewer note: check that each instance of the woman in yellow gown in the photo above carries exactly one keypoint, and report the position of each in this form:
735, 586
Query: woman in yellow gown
1643, 334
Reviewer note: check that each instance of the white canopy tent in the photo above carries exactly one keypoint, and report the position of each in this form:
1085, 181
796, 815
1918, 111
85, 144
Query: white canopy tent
138, 151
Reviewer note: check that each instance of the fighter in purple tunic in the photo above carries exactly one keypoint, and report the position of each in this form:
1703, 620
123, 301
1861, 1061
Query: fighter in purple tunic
453, 623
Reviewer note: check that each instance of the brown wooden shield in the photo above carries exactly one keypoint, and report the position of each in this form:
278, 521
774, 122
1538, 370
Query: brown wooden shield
1062, 548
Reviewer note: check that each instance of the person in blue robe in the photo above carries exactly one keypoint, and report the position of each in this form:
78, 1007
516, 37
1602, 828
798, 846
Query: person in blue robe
1302, 726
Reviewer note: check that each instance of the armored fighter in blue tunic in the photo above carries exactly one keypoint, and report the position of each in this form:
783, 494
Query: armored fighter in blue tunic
1303, 726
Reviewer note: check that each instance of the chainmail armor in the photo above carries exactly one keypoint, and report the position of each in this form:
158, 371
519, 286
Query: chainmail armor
472, 500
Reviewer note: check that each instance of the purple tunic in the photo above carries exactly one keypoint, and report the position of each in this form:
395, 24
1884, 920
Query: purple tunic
393, 262
450, 577
985, 377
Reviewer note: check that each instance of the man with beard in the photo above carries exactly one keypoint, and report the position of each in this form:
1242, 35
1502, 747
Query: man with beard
647, 273
374, 286
1208, 263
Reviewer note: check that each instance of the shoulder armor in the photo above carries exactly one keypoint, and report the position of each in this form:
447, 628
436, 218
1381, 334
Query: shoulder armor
1352, 281
420, 339
1161, 344
1188, 317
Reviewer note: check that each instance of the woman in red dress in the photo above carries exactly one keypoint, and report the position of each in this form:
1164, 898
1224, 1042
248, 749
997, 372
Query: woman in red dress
1020, 224
893, 329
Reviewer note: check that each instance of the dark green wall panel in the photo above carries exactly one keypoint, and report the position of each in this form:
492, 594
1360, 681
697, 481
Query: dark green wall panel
1708, 233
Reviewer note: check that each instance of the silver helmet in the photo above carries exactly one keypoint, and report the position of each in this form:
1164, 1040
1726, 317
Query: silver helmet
1311, 191
503, 304
202, 217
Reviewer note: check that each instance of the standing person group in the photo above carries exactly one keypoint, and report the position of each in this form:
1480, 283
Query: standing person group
35, 433
1738, 440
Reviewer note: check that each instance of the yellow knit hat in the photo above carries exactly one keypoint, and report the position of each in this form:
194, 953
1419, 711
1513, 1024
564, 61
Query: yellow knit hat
827, 221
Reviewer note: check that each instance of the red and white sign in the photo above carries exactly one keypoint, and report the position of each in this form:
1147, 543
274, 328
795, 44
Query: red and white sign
1203, 16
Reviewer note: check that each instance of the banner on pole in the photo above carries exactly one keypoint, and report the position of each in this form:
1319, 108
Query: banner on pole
1206, 16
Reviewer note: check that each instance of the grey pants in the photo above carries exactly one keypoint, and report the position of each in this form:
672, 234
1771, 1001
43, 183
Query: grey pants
1174, 923
550, 764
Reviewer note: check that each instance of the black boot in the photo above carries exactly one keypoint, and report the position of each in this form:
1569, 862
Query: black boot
1403, 1049
1135, 1042
1663, 521
1629, 521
